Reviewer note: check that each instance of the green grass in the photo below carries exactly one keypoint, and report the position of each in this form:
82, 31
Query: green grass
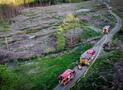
42, 73
7, 78
30, 13
89, 33
4, 26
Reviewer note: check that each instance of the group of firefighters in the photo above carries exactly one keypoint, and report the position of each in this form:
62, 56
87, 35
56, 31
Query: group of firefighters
85, 60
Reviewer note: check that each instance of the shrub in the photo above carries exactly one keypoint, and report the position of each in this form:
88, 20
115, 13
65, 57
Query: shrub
60, 38
70, 22
7, 79
121, 31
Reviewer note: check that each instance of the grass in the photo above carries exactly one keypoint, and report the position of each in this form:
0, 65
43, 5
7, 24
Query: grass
100, 76
4, 26
42, 73
84, 4
30, 13
28, 30
7, 78
89, 33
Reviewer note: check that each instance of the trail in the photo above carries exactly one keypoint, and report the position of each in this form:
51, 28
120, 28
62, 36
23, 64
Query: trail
98, 47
